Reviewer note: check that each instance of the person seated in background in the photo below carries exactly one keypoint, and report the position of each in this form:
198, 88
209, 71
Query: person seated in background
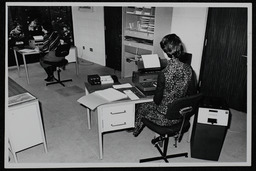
35, 28
16, 35
52, 40
174, 81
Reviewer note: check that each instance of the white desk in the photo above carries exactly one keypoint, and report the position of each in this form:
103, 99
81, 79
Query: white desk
113, 116
24, 123
72, 57
15, 50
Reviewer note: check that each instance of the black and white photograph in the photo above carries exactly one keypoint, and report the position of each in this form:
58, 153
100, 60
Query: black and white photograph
127, 84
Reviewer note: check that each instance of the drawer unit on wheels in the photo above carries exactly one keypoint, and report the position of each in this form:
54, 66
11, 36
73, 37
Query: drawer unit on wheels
209, 130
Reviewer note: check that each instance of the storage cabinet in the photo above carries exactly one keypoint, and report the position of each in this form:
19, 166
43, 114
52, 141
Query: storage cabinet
143, 28
25, 127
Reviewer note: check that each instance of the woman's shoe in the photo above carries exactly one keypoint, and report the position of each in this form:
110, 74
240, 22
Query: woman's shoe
130, 130
49, 79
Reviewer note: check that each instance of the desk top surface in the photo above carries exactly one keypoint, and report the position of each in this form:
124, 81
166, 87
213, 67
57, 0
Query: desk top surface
27, 51
91, 88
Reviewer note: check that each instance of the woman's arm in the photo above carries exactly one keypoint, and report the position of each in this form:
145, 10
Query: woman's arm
158, 96
51, 42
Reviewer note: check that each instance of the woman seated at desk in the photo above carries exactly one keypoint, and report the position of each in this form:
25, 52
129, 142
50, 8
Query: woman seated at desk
175, 81
52, 40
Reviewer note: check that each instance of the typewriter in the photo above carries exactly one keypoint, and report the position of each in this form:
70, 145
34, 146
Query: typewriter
145, 79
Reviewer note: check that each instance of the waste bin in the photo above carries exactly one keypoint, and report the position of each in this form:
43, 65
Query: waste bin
209, 129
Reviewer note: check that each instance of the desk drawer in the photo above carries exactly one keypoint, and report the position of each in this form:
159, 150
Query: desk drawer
118, 117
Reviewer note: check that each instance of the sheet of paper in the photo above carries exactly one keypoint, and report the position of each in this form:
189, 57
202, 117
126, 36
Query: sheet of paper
126, 85
27, 50
38, 38
151, 61
91, 101
131, 95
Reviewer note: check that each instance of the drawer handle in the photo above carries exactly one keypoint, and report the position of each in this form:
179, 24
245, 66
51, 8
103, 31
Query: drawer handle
213, 111
113, 125
115, 113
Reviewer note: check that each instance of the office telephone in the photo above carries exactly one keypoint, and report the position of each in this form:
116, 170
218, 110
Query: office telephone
94, 79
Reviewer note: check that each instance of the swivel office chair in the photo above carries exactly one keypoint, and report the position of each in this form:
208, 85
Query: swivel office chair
61, 51
183, 107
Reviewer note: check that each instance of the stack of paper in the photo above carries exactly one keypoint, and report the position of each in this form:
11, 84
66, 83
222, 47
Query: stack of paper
147, 24
100, 97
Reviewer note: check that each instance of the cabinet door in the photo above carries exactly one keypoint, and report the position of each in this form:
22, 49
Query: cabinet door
24, 126
224, 67
113, 36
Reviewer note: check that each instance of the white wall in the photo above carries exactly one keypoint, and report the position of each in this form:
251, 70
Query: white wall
189, 23
89, 32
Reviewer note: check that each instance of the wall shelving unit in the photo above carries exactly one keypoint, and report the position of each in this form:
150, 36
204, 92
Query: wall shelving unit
141, 28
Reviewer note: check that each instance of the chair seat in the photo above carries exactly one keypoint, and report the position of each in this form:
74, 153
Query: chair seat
58, 64
163, 130
61, 65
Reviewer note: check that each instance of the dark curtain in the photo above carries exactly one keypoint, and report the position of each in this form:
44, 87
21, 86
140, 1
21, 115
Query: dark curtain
224, 63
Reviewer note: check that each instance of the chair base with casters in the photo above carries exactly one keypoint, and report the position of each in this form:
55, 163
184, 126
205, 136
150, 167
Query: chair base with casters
59, 65
165, 133
186, 107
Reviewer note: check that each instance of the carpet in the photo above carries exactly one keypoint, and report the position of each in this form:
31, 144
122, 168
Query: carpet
69, 91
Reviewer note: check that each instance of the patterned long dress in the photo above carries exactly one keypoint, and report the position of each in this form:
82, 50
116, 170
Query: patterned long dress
173, 83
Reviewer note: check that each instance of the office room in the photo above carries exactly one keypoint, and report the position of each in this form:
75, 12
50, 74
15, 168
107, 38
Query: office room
82, 112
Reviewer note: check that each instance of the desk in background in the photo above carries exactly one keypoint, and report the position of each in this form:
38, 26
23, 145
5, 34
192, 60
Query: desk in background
26, 51
24, 122
112, 116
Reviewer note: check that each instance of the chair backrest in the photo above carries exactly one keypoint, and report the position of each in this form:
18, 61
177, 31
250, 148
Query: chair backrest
186, 58
62, 50
183, 107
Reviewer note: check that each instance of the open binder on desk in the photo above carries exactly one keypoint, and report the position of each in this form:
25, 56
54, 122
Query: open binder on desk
100, 97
